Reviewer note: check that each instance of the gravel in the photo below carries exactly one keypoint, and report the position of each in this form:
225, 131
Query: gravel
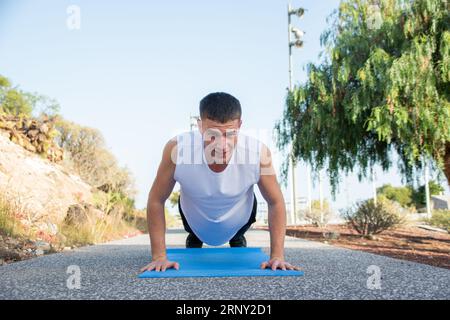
109, 271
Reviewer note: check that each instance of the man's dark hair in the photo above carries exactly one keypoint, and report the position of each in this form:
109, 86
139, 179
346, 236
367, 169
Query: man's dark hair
221, 107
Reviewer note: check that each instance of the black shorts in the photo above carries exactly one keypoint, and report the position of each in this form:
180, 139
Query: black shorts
240, 231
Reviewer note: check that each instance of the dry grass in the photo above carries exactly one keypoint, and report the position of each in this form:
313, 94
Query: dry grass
16, 222
96, 231
11, 212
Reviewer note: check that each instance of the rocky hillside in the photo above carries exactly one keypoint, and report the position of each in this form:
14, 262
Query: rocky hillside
44, 188
43, 192
45, 208
32, 134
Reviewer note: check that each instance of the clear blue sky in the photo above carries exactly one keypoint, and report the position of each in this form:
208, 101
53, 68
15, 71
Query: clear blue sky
136, 70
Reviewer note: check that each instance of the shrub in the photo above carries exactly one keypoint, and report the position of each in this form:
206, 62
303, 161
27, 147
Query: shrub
317, 216
402, 195
440, 219
8, 222
14, 101
172, 220
10, 214
94, 230
137, 219
88, 156
368, 218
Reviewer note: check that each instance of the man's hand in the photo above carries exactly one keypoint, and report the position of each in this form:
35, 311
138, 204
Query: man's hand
160, 264
278, 263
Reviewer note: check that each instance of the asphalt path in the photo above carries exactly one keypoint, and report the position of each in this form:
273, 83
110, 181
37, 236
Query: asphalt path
110, 270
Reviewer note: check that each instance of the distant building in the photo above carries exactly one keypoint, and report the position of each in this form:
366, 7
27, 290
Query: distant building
440, 202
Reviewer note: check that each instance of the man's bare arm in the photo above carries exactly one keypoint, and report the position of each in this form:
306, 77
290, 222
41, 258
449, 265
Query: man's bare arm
270, 190
159, 192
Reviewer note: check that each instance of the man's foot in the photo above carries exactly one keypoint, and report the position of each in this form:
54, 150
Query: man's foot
193, 242
238, 242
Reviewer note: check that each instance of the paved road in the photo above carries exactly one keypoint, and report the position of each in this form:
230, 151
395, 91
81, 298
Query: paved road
109, 271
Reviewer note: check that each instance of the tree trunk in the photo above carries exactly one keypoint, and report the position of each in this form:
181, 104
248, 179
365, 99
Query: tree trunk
447, 162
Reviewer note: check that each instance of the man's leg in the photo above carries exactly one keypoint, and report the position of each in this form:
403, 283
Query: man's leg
192, 241
238, 239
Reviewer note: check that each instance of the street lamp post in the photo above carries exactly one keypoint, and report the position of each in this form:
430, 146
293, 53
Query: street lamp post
427, 186
298, 43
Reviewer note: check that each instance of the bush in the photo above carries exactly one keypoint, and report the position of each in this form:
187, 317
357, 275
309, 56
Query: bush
94, 230
440, 219
14, 101
317, 215
172, 220
8, 222
368, 218
137, 219
89, 157
10, 214
402, 195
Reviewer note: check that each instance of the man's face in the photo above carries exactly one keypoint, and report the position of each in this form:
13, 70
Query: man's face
220, 138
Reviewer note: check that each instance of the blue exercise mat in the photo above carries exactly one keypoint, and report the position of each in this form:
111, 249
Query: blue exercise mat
218, 262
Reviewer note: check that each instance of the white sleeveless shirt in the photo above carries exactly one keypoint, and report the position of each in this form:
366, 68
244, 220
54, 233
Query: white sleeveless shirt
216, 204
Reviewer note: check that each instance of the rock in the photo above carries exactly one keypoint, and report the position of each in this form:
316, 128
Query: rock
67, 248
79, 214
105, 187
331, 235
41, 137
32, 133
9, 255
95, 213
44, 128
42, 245
47, 228
76, 215
61, 238
372, 237
39, 252
12, 241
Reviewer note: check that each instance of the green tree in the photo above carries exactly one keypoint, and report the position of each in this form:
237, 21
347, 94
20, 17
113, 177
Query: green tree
380, 87
419, 196
12, 100
402, 195
173, 199
42, 105
18, 102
